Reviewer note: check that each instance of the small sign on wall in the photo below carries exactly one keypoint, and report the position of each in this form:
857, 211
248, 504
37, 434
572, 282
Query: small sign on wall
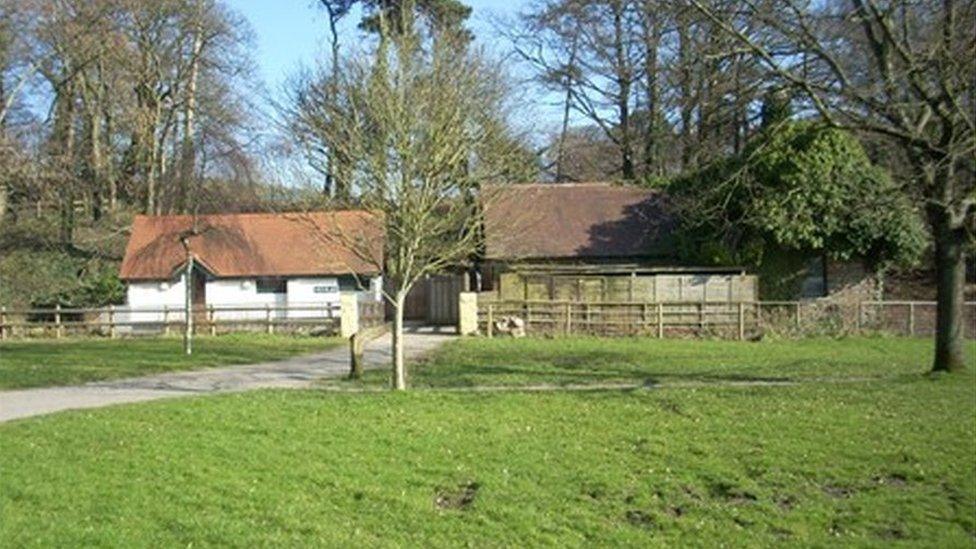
327, 289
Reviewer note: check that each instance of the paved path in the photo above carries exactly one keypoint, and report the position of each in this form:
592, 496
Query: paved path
295, 372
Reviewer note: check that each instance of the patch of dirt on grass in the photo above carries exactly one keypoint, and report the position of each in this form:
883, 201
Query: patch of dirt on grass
639, 518
732, 494
671, 406
460, 497
892, 532
786, 502
838, 491
894, 480
594, 491
675, 512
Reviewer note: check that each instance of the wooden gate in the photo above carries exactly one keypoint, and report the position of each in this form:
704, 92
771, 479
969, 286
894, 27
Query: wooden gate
442, 298
435, 299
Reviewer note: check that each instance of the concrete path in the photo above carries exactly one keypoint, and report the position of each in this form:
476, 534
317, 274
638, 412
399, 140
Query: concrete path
295, 372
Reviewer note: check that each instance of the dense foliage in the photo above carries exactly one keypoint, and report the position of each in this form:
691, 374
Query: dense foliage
801, 189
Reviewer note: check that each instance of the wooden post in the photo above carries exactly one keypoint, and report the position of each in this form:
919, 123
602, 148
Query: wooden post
586, 314
660, 320
911, 318
165, 319
111, 321
188, 303
644, 315
569, 318
797, 316
268, 324
701, 318
57, 321
857, 321
211, 319
490, 330
3, 323
357, 345
742, 321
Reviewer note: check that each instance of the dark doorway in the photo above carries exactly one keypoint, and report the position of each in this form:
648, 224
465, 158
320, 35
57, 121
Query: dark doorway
199, 281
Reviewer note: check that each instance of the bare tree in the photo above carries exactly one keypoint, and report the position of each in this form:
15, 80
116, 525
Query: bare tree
650, 74
422, 121
899, 70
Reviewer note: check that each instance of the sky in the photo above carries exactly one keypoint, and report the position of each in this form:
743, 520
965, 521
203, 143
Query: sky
290, 34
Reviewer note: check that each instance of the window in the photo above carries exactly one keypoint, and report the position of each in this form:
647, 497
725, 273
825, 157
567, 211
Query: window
272, 286
815, 282
349, 283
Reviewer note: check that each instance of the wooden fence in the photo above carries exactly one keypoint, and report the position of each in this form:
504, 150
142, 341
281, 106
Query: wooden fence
734, 320
117, 321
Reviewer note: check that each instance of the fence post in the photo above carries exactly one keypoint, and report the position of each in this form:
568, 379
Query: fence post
569, 318
644, 318
111, 321
268, 325
799, 320
857, 322
742, 321
165, 319
57, 321
660, 320
586, 314
911, 318
3, 323
490, 330
701, 318
210, 315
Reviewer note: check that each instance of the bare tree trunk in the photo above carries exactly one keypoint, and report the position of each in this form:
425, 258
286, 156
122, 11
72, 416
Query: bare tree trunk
624, 83
65, 141
950, 269
652, 36
567, 106
110, 174
684, 87
188, 152
399, 370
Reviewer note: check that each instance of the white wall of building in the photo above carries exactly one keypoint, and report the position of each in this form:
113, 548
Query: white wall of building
320, 295
155, 295
227, 294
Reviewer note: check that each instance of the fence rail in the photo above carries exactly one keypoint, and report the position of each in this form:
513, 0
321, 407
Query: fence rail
734, 320
116, 321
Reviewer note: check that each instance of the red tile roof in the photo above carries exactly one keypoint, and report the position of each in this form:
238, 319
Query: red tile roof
243, 245
574, 220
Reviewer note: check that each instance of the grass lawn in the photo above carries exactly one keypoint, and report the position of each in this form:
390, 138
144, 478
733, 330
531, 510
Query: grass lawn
870, 462
867, 463
39, 363
582, 360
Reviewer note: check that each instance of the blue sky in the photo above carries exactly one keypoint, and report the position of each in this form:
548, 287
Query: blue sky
291, 33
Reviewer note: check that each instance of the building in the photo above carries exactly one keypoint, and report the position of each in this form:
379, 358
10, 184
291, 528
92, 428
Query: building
593, 242
289, 264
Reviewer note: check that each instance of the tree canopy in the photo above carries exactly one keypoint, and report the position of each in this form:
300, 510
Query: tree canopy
798, 187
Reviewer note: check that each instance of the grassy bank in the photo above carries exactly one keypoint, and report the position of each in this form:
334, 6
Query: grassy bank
40, 363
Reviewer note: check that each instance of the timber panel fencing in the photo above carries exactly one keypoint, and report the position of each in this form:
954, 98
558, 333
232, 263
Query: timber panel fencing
729, 320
